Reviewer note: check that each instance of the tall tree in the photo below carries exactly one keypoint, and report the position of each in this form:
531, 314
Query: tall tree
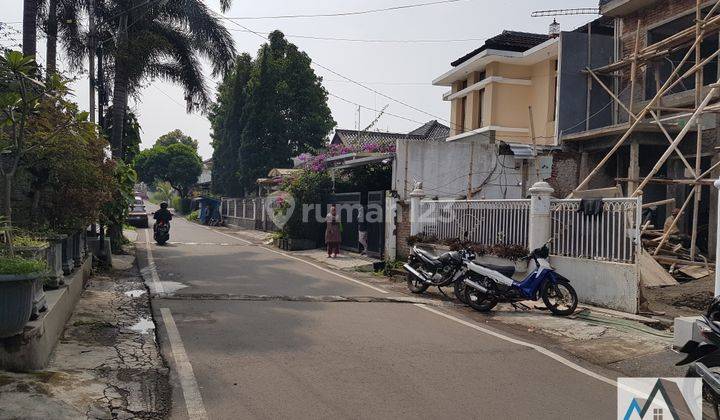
226, 118
164, 40
174, 137
284, 114
131, 133
178, 164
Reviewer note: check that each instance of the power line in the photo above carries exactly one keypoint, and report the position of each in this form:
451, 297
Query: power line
373, 109
369, 41
352, 13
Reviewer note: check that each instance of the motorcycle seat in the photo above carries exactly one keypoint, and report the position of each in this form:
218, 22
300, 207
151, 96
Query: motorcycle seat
505, 270
435, 259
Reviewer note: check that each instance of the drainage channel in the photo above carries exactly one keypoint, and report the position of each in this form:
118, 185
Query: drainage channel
280, 298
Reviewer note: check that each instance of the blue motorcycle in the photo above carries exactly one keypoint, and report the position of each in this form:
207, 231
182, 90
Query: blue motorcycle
487, 285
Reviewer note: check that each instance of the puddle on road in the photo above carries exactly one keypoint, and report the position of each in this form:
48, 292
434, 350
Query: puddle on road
143, 326
135, 293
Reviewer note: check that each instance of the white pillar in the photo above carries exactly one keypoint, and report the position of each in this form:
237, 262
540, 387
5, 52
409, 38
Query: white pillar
540, 220
415, 211
717, 246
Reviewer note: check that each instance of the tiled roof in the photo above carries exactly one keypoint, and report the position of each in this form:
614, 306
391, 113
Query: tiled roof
432, 130
359, 139
506, 41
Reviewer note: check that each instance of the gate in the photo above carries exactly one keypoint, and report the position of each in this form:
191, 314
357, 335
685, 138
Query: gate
375, 222
348, 208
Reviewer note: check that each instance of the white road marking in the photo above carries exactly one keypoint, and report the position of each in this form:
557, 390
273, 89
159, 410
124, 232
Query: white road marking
309, 263
535, 347
188, 383
155, 283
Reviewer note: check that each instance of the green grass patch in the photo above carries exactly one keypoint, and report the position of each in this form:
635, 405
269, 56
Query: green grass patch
129, 227
29, 242
10, 266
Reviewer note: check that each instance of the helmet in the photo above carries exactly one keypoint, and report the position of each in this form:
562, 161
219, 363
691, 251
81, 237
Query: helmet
163, 205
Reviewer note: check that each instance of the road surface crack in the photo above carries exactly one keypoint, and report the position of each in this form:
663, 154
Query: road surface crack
284, 298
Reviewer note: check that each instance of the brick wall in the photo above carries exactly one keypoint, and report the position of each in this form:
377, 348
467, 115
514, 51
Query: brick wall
403, 229
565, 171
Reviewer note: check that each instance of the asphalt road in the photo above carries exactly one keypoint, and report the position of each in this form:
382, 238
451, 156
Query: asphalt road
271, 356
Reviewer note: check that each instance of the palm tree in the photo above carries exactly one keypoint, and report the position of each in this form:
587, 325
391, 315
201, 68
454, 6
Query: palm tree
29, 36
164, 39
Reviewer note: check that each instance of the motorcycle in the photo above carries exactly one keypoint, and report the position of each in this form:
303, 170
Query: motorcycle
162, 232
487, 285
424, 269
703, 355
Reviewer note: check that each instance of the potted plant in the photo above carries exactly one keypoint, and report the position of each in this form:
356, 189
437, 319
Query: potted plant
32, 248
18, 279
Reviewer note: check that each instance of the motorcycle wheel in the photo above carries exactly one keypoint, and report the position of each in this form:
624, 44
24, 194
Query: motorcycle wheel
708, 394
560, 298
415, 285
459, 289
481, 302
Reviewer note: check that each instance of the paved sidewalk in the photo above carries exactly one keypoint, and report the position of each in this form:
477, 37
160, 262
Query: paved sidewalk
107, 364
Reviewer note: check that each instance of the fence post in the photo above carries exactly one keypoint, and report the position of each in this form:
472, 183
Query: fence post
416, 197
540, 220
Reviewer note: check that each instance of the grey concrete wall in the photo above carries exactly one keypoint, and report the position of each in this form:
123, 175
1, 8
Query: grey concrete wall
444, 168
573, 82
605, 284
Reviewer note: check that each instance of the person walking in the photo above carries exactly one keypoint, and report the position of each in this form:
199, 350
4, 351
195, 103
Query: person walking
332, 232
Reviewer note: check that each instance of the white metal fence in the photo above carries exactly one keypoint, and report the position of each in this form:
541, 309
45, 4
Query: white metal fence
611, 235
487, 222
240, 208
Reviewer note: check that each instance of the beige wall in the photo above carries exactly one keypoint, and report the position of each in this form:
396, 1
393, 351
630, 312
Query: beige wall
506, 105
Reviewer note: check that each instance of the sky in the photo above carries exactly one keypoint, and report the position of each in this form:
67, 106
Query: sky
402, 71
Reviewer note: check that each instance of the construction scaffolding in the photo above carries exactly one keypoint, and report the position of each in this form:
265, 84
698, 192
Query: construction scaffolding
653, 112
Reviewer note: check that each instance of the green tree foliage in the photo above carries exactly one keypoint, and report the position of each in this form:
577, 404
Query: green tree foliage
278, 112
165, 40
226, 118
174, 137
115, 211
310, 188
131, 133
177, 164
53, 160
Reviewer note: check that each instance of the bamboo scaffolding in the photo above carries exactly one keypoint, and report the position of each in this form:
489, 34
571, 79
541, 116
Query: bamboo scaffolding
692, 36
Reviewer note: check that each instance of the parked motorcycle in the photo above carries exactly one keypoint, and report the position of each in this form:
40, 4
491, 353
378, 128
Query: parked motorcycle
703, 355
162, 232
487, 285
424, 269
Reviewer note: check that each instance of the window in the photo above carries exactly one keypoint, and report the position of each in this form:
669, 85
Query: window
480, 108
657, 414
463, 108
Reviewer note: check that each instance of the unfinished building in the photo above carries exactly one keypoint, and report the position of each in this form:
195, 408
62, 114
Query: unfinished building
646, 121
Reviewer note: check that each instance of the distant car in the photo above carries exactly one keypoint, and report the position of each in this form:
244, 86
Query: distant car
138, 216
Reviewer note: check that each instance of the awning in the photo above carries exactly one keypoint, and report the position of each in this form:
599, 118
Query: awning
355, 162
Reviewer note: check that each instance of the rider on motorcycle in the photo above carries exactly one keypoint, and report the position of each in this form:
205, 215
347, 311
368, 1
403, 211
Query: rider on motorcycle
162, 215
